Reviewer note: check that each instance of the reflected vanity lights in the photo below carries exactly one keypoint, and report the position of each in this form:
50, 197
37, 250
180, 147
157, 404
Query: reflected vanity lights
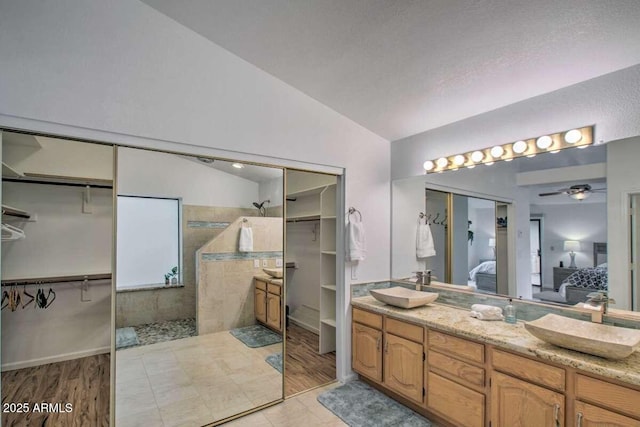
551, 143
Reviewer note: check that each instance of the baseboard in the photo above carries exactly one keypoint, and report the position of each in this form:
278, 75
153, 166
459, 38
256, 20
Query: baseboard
54, 359
303, 325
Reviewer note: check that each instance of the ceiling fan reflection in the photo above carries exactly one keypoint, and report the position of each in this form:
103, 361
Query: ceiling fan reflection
577, 192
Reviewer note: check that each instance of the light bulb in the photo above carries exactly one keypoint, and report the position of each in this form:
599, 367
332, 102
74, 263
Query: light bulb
442, 162
544, 142
458, 160
477, 156
519, 147
428, 165
497, 151
573, 136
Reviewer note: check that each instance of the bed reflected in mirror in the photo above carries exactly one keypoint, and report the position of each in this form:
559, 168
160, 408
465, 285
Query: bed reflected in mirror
192, 233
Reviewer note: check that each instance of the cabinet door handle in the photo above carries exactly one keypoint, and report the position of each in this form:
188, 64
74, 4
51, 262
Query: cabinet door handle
579, 423
378, 344
556, 414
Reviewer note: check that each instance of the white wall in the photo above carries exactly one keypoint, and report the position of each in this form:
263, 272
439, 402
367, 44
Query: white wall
272, 190
623, 178
122, 71
585, 222
150, 173
303, 283
611, 102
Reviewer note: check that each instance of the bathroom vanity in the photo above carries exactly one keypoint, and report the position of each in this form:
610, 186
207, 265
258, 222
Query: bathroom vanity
460, 371
268, 301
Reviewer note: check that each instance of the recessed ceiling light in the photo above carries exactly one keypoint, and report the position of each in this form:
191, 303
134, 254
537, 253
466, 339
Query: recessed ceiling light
519, 147
237, 165
573, 136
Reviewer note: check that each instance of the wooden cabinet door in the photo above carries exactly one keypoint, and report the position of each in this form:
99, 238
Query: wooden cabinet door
260, 305
591, 416
404, 367
366, 349
458, 404
274, 311
518, 403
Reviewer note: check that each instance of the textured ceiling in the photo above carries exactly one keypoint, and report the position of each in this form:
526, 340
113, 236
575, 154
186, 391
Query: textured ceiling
401, 67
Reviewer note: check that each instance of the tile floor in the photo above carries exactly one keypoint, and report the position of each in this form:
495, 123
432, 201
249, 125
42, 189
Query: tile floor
193, 381
300, 410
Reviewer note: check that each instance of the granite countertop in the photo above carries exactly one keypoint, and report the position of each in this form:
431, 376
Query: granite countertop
268, 279
503, 335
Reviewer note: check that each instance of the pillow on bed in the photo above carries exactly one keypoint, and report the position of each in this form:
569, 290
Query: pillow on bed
485, 267
595, 278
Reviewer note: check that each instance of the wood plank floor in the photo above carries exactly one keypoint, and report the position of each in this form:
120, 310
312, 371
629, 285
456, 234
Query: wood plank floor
84, 383
305, 368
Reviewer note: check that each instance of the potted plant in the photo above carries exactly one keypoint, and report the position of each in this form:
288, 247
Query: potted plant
167, 279
171, 277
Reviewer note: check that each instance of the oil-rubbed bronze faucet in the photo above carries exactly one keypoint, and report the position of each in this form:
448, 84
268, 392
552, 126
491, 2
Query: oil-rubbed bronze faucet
598, 301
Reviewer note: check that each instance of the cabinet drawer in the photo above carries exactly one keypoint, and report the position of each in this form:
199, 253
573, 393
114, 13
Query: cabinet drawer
454, 402
530, 370
404, 330
274, 289
457, 347
261, 285
457, 370
612, 396
367, 318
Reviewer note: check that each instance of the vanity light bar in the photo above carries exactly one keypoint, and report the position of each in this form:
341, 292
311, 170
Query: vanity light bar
552, 143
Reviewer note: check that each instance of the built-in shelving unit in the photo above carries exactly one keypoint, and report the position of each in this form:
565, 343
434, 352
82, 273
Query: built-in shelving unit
312, 197
328, 269
9, 172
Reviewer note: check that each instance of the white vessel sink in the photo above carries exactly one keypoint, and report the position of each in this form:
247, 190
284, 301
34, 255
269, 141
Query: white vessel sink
403, 297
274, 272
606, 341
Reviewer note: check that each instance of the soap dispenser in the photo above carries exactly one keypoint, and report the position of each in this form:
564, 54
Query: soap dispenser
510, 312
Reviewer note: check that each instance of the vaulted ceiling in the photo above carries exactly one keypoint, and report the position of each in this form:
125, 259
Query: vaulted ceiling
401, 67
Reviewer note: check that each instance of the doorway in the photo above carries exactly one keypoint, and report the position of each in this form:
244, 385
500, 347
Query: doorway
535, 231
310, 278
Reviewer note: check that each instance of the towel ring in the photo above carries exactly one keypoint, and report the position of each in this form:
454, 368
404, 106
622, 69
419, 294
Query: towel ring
354, 211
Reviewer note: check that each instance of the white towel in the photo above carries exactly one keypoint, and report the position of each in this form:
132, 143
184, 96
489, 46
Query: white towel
246, 240
486, 312
424, 242
356, 242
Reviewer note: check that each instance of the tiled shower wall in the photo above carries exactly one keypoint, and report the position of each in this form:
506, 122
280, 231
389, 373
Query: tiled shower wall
225, 285
200, 224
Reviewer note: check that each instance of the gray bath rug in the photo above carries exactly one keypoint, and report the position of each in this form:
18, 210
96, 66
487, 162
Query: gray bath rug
360, 405
256, 336
275, 360
126, 337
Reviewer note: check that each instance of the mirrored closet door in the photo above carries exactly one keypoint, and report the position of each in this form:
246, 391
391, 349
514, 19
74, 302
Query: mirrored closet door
57, 212
199, 312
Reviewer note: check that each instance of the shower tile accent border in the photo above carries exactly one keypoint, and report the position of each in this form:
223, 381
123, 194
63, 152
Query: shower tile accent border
233, 256
525, 310
207, 224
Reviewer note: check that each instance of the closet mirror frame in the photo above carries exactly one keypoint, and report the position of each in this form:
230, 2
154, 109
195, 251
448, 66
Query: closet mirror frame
117, 182
204, 152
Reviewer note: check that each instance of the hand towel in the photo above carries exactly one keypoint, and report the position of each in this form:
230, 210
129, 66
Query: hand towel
356, 242
486, 312
424, 242
246, 240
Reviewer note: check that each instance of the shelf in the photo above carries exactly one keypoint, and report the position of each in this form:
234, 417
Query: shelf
329, 322
308, 192
304, 217
328, 253
329, 287
18, 213
9, 172
327, 217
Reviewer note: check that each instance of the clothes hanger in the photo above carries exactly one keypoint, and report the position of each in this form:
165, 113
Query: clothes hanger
14, 298
49, 296
5, 296
13, 233
25, 293
434, 219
